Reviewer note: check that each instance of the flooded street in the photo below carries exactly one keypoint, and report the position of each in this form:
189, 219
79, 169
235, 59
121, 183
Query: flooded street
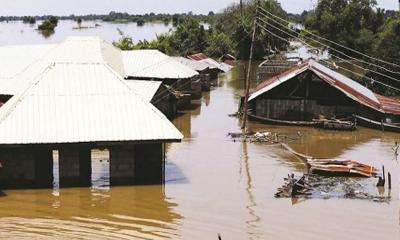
214, 185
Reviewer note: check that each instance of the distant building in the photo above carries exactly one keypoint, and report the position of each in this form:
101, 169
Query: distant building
156, 66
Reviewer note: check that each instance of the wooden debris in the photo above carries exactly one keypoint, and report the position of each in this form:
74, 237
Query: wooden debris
313, 186
336, 167
265, 137
335, 124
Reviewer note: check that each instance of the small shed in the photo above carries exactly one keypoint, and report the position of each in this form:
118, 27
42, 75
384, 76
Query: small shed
310, 90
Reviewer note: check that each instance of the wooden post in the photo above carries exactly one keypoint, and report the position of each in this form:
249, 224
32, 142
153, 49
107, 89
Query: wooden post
247, 84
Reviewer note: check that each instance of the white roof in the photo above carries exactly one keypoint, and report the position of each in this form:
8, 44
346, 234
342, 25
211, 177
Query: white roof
195, 65
212, 64
72, 50
147, 89
14, 59
154, 64
76, 98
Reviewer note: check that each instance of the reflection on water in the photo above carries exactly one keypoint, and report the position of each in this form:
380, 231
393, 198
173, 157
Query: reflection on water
119, 213
251, 223
214, 185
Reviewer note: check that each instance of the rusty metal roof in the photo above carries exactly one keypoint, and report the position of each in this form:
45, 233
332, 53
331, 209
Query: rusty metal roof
349, 87
198, 56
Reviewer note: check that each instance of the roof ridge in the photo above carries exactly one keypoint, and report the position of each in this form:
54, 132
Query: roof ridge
13, 103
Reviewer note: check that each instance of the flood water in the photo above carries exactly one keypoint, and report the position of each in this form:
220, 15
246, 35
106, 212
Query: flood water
213, 185
17, 32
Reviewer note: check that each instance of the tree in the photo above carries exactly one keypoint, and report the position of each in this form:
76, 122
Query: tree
46, 26
220, 44
125, 42
190, 37
53, 20
236, 22
140, 22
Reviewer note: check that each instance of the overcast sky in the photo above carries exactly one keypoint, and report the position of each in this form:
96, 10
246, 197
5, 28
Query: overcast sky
66, 7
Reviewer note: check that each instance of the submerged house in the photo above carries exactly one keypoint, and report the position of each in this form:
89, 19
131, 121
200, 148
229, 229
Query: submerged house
156, 66
214, 67
158, 94
310, 90
201, 67
14, 60
72, 100
17, 59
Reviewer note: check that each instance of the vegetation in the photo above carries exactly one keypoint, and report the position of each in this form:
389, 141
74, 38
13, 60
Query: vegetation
48, 25
230, 32
360, 25
124, 17
29, 19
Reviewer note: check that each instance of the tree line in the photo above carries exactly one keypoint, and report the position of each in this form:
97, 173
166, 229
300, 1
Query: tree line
229, 32
364, 27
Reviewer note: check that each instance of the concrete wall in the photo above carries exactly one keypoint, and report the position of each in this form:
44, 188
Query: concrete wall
75, 167
165, 101
26, 168
140, 164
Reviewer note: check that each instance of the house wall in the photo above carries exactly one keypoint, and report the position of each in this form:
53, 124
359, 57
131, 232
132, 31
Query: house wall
26, 168
165, 101
298, 109
75, 169
140, 164
302, 99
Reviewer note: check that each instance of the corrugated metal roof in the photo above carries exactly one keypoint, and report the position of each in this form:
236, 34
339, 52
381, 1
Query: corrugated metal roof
75, 103
14, 59
389, 105
90, 50
198, 56
154, 64
195, 65
79, 97
346, 85
147, 89
72, 50
212, 64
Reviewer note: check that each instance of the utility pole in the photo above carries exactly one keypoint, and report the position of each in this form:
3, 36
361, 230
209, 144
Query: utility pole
247, 83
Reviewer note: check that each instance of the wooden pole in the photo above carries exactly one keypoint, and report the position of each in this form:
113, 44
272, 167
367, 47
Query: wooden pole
247, 84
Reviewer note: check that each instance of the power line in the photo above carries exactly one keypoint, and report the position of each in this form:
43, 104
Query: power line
335, 43
347, 70
345, 60
334, 49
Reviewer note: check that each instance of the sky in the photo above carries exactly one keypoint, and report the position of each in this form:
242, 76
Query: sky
77, 7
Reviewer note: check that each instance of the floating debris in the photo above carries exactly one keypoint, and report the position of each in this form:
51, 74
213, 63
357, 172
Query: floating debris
265, 137
311, 186
336, 167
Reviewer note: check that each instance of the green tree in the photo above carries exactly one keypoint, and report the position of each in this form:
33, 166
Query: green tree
47, 26
125, 42
220, 44
237, 23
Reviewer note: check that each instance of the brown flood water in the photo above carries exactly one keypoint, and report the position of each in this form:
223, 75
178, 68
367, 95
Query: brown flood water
215, 186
